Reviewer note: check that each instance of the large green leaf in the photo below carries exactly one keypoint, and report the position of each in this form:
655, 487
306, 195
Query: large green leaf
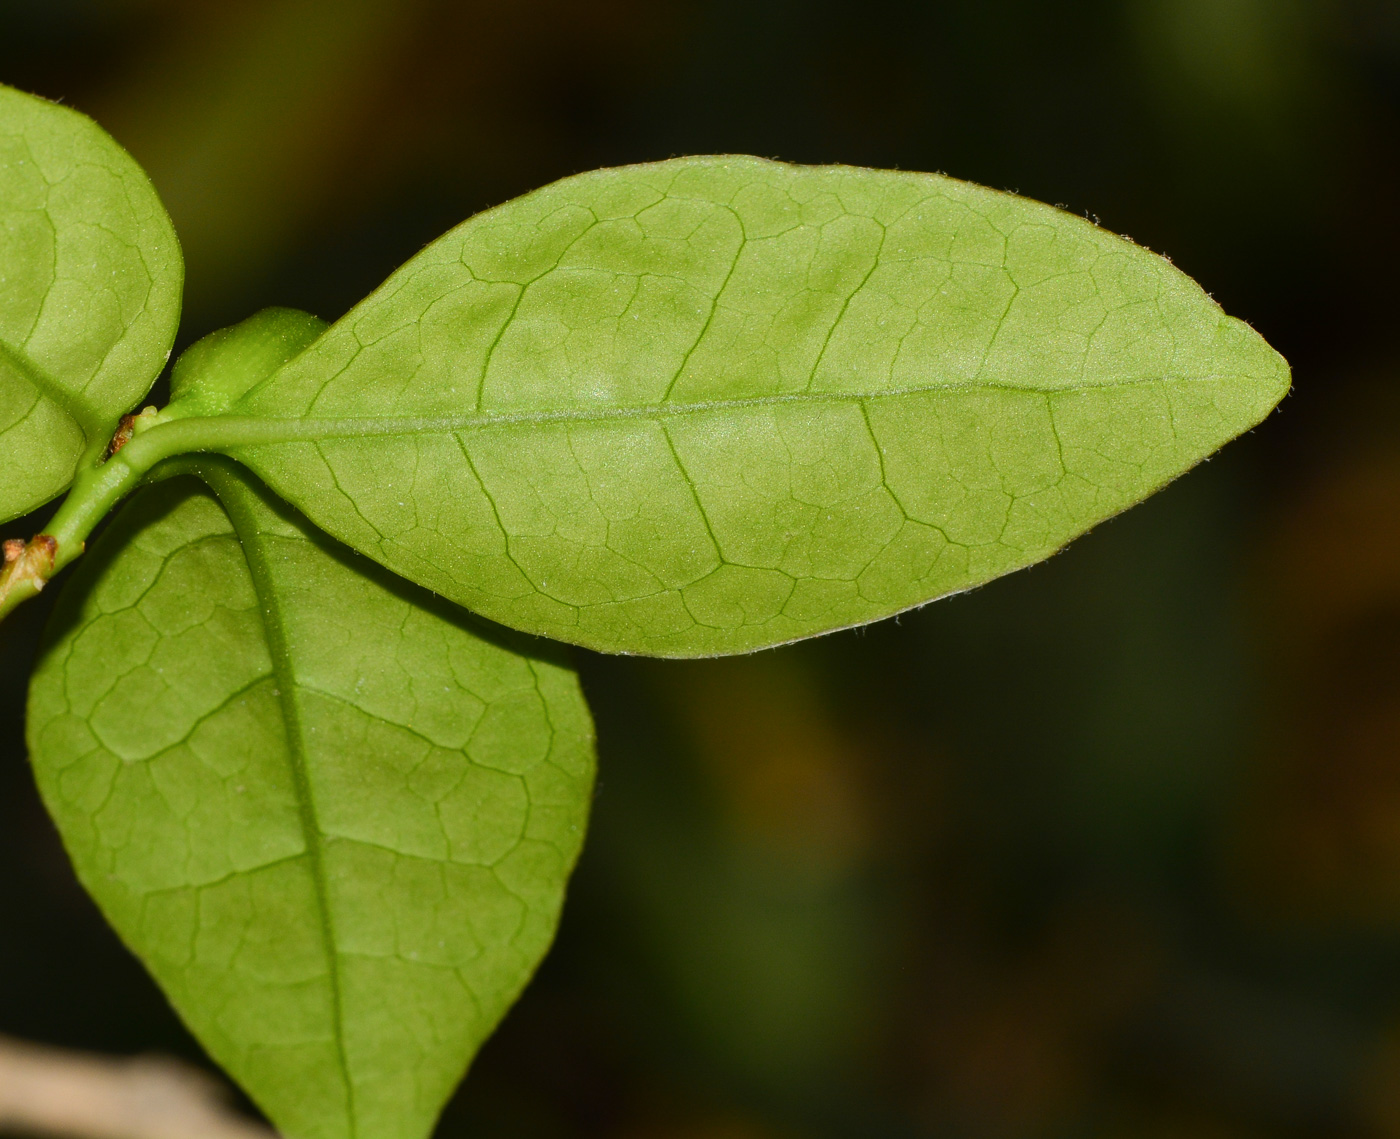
333, 815
713, 404
90, 278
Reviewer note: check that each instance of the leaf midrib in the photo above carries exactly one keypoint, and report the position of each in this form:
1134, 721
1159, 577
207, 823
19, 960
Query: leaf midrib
216, 432
74, 406
246, 529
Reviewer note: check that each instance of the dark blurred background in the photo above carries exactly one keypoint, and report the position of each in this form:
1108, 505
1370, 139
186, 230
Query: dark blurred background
1107, 848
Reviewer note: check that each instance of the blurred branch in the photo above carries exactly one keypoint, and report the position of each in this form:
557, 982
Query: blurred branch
79, 1095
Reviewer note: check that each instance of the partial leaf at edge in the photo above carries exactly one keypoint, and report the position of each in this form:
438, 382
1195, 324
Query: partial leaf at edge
334, 818
713, 404
89, 293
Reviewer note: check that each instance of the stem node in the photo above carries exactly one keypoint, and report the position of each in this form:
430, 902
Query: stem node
28, 567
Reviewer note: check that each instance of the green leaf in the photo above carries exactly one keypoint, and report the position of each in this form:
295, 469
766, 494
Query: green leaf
713, 404
213, 373
332, 814
90, 279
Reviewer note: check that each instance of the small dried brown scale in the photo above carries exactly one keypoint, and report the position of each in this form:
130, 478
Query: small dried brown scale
31, 563
125, 430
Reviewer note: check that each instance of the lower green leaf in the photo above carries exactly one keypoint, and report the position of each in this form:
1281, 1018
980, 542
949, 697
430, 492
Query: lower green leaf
333, 816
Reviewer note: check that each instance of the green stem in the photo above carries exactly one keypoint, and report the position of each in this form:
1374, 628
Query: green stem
95, 491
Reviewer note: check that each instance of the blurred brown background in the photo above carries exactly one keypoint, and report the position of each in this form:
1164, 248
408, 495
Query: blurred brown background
1108, 848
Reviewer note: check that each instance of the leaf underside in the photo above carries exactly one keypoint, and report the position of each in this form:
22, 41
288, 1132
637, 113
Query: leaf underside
333, 817
90, 281
713, 404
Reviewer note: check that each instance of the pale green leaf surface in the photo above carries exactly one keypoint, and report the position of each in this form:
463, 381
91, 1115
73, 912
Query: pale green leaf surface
90, 280
214, 372
713, 404
332, 815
